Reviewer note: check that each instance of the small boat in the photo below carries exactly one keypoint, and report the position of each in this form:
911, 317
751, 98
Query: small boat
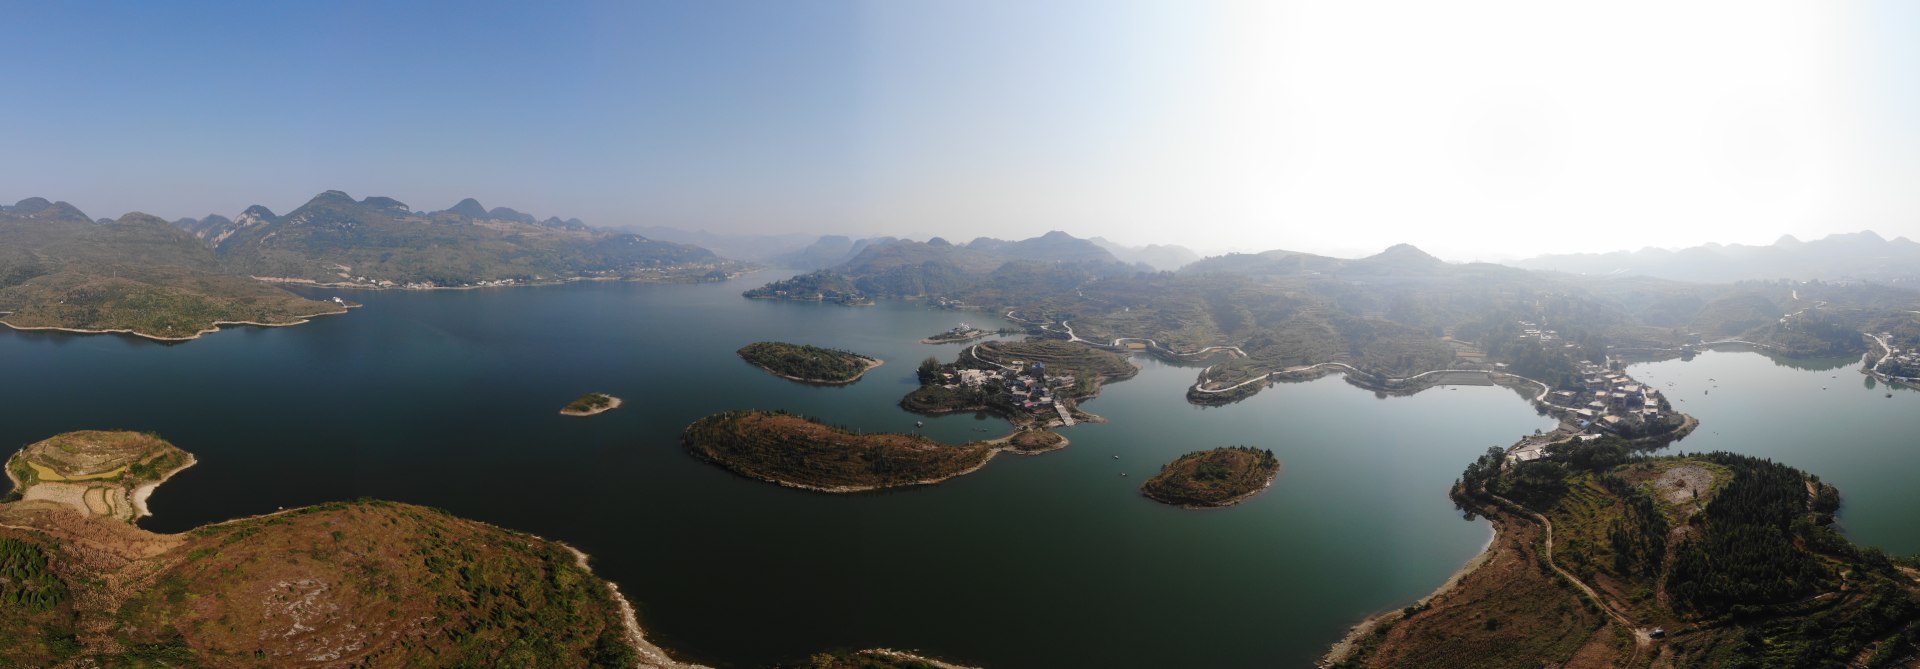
1118, 457
919, 423
1888, 395
1123, 473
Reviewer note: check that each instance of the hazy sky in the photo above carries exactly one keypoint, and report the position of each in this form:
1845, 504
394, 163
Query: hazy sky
1473, 129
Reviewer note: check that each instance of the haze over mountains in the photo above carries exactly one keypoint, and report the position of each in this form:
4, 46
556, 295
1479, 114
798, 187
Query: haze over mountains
892, 268
381, 241
1859, 256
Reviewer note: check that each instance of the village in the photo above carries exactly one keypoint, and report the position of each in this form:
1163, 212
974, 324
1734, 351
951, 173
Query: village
1608, 402
1021, 386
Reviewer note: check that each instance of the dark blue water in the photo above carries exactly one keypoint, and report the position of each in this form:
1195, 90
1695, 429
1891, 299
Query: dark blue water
450, 399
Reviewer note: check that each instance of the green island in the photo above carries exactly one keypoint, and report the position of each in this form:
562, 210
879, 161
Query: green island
1032, 383
1211, 478
590, 404
800, 452
808, 364
1607, 557
97, 473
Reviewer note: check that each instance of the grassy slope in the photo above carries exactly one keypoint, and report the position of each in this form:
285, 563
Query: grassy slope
369, 584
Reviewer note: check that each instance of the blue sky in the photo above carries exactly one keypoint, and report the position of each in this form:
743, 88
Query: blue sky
1332, 127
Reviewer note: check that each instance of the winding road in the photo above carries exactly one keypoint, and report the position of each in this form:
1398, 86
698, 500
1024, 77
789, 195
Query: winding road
1642, 638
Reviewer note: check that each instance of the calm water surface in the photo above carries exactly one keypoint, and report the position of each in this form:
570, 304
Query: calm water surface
449, 399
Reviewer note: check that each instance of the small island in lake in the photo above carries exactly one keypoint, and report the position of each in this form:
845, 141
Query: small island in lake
959, 334
1218, 477
97, 473
799, 452
808, 364
590, 404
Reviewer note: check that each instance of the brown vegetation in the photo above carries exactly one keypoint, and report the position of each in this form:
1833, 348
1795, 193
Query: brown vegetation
1217, 477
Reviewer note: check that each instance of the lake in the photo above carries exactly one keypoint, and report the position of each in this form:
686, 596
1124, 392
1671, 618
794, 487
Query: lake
450, 399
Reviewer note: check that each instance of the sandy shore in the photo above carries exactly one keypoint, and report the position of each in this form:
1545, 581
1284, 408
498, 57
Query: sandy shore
614, 404
298, 320
145, 490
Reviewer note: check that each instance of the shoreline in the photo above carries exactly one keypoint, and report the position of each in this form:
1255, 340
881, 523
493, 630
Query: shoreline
651, 656
613, 404
143, 491
872, 363
298, 320
1342, 649
1236, 499
982, 334
310, 283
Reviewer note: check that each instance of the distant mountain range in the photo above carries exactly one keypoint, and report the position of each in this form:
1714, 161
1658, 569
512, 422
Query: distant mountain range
938, 268
60, 269
826, 252
1163, 257
1860, 256
755, 248
379, 241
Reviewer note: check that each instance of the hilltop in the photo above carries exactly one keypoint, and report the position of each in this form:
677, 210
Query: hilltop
60, 270
368, 584
941, 270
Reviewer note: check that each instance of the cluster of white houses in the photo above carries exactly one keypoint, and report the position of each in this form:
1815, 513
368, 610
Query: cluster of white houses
1026, 386
1533, 332
1607, 401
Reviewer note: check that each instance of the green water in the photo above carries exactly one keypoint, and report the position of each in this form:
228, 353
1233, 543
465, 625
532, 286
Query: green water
1822, 416
450, 399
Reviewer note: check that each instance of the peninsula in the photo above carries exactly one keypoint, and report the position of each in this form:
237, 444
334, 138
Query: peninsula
591, 404
1033, 383
808, 364
1605, 557
1213, 478
367, 583
799, 452
107, 474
